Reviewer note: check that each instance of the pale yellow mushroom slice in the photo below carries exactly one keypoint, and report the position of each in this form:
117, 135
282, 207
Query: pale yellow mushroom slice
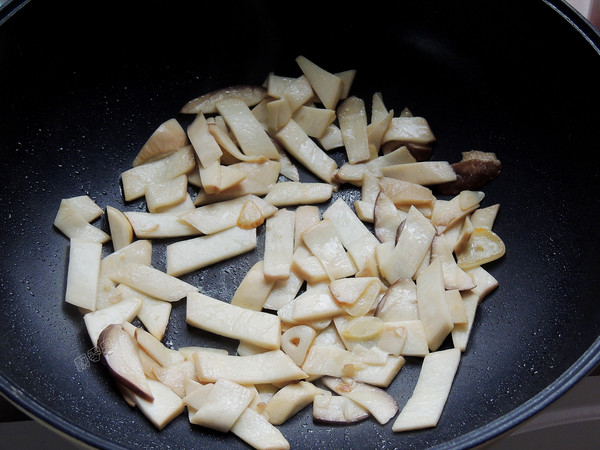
352, 118
83, 273
447, 212
314, 121
85, 206
328, 86
332, 138
293, 193
421, 172
222, 318
210, 177
249, 133
306, 216
279, 244
409, 130
75, 225
378, 109
206, 147
254, 429
405, 193
485, 217
124, 311
165, 194
434, 312
259, 180
162, 354
229, 146
351, 173
250, 94
456, 305
254, 288
386, 218
137, 179
192, 254
301, 146
412, 245
154, 313
290, 400
223, 405
324, 242
167, 138
454, 276
347, 77
375, 132
277, 84
147, 225
121, 231
219, 216
279, 112
401, 155
308, 267
283, 292
377, 401
312, 305
426, 404
139, 251
288, 168
165, 407
365, 211
336, 409
399, 302
153, 282
271, 367
175, 375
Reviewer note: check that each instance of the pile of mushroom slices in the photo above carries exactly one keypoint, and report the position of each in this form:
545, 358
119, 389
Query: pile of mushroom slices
343, 292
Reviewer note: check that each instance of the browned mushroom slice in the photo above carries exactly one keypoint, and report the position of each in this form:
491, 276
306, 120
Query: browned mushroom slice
120, 356
476, 169
250, 94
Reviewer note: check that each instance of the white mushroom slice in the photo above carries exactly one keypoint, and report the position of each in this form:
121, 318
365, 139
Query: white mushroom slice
324, 242
400, 155
378, 108
290, 400
139, 252
259, 328
369, 188
351, 173
296, 341
165, 194
386, 218
249, 133
210, 177
188, 351
312, 305
223, 405
251, 95
192, 254
283, 292
306, 216
314, 121
352, 118
434, 312
230, 148
308, 267
415, 339
259, 180
337, 409
329, 336
454, 276
399, 302
301, 146
297, 93
206, 147
365, 211
155, 315
352, 233
162, 354
167, 138
158, 225
299, 193
276, 84
121, 230
136, 179
270, 367
165, 407
405, 193
409, 129
421, 172
358, 296
254, 289
379, 403
279, 112
83, 273
424, 408
85, 206
254, 429
196, 394
74, 225
485, 217
380, 375
347, 77
332, 138
485, 282
153, 282
447, 212
279, 245
376, 130
175, 375
124, 311
326, 359
327, 86
219, 216
456, 306
412, 245
461, 332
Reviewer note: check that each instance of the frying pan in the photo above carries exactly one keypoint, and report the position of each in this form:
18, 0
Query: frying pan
83, 85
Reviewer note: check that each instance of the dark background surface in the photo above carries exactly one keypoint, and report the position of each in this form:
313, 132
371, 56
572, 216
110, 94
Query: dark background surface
83, 86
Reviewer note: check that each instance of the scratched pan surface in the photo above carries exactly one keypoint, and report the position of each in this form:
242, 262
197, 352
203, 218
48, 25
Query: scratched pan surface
83, 87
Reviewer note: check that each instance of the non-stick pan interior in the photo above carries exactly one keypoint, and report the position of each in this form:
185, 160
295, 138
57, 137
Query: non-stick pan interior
82, 86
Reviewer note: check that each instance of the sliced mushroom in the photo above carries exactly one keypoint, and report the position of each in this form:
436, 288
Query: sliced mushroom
250, 94
337, 409
476, 169
121, 357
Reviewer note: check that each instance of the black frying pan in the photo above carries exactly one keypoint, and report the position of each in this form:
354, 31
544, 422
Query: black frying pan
83, 85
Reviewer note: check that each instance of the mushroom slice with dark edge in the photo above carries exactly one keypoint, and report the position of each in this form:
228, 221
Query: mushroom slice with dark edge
337, 409
475, 169
250, 94
120, 356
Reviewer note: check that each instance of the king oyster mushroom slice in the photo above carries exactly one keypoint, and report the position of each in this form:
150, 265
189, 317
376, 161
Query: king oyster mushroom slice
121, 357
337, 409
250, 94
375, 400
